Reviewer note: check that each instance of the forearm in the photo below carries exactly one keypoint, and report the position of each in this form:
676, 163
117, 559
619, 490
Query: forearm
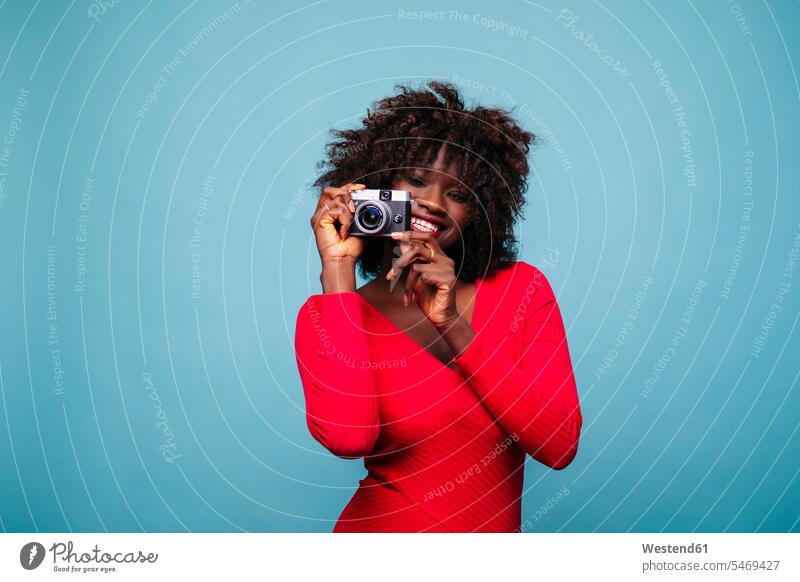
341, 395
338, 275
537, 401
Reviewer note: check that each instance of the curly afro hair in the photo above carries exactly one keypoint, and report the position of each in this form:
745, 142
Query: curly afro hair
407, 130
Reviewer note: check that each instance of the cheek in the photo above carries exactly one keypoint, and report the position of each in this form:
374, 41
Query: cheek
460, 215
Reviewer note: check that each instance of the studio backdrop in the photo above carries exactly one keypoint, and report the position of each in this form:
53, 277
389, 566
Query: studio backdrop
156, 172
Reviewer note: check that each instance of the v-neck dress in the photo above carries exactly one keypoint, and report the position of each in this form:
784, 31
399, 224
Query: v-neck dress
444, 448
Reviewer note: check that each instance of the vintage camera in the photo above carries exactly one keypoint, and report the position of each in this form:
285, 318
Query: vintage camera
380, 212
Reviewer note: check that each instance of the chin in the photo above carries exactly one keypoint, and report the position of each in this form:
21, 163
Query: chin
445, 243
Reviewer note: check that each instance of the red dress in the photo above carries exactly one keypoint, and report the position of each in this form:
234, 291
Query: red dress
444, 448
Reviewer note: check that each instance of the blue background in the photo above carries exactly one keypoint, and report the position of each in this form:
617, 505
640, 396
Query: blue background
616, 208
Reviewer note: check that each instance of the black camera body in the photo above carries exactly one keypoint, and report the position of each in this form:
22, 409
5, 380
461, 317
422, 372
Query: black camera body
380, 212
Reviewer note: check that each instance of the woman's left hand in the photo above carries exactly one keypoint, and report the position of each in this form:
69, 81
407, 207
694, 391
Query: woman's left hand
431, 279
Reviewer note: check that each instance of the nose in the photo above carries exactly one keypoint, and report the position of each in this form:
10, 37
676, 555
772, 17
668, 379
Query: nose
430, 200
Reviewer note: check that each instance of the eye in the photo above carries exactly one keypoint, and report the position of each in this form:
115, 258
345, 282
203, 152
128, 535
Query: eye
459, 196
414, 181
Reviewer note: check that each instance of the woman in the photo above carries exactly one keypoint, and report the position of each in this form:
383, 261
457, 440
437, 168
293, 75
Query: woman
451, 364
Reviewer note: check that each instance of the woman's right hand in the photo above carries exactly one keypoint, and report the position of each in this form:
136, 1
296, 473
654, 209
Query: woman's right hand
335, 204
336, 248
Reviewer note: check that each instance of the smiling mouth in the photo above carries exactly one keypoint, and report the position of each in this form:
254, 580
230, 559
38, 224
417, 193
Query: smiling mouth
423, 225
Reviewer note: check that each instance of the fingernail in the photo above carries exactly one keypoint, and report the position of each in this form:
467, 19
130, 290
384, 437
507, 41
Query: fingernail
352, 206
389, 274
405, 300
396, 234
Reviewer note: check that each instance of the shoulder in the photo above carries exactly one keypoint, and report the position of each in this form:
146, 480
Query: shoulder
520, 275
516, 293
520, 288
330, 304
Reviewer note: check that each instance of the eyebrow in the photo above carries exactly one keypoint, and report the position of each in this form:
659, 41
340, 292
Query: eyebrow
427, 172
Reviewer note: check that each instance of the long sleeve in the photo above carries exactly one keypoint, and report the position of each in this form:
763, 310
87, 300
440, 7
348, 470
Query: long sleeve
340, 393
533, 397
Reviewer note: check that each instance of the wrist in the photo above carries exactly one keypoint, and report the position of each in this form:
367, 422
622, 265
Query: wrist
338, 275
448, 322
458, 334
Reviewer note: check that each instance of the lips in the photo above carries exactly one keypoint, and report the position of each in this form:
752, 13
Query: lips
426, 223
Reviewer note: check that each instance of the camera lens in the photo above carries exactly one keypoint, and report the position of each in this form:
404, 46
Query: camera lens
371, 218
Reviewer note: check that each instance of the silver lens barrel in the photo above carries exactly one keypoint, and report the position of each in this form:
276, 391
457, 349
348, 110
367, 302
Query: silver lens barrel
372, 216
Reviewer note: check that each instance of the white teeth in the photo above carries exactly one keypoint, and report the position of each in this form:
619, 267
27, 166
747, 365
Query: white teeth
424, 225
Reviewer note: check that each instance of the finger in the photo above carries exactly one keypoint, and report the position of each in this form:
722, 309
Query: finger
421, 253
425, 238
315, 218
418, 277
352, 188
344, 193
323, 204
422, 281
417, 252
411, 285
433, 274
404, 246
319, 214
336, 205
333, 192
344, 215
336, 210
